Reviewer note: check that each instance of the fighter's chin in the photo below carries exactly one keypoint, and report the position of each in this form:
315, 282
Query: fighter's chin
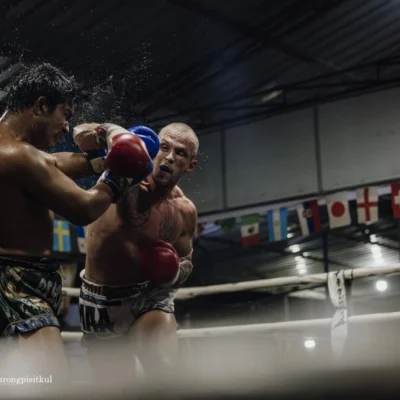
163, 179
53, 141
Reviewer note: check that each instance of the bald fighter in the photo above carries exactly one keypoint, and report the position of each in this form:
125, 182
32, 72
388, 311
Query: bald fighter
138, 253
40, 101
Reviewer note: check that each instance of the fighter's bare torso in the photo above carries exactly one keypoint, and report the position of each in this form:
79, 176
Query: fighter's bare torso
114, 241
26, 223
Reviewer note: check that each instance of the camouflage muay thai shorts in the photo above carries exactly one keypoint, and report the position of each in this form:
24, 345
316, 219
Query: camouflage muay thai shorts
30, 294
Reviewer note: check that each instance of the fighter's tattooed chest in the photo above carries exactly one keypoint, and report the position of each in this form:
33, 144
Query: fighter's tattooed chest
169, 226
133, 207
159, 219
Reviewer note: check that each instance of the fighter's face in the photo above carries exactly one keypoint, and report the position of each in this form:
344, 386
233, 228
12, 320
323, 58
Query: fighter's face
49, 126
175, 158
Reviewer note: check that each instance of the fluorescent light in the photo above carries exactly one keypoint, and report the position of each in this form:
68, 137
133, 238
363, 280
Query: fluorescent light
309, 343
271, 95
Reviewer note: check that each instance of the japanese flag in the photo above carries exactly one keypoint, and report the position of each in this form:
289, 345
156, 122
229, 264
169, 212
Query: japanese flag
338, 210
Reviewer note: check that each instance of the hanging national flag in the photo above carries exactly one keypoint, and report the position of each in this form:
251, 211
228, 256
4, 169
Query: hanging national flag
338, 210
61, 236
396, 199
227, 224
250, 229
277, 224
367, 205
308, 213
81, 237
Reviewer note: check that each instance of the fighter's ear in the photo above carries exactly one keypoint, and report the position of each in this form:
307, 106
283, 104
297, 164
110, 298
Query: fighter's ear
192, 165
40, 107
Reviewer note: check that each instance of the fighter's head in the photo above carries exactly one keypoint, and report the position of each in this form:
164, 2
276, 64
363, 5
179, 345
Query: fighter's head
177, 156
43, 97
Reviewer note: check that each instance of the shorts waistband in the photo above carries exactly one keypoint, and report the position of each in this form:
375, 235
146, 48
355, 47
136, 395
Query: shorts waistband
38, 263
113, 291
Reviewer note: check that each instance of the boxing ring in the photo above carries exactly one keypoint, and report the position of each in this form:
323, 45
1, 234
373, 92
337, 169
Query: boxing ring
259, 360
299, 282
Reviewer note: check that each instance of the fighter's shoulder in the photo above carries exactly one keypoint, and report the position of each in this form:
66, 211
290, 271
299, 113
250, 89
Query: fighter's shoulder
15, 152
184, 204
15, 155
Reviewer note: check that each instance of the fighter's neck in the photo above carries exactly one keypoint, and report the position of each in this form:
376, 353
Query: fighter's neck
15, 127
156, 192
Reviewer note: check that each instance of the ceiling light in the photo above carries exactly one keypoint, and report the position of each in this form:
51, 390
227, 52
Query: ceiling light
270, 96
309, 343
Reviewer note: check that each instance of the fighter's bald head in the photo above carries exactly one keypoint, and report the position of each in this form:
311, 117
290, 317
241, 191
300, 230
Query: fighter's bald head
184, 132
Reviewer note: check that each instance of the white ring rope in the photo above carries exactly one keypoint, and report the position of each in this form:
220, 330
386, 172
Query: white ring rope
301, 325
188, 293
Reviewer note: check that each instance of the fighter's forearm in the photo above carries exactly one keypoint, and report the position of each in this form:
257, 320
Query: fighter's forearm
74, 165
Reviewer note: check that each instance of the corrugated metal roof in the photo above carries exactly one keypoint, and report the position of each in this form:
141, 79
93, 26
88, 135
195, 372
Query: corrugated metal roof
190, 58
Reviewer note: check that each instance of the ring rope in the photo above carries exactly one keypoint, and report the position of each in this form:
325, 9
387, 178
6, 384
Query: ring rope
189, 293
286, 326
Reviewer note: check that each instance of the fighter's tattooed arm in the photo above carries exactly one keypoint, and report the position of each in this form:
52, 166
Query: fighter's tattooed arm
133, 208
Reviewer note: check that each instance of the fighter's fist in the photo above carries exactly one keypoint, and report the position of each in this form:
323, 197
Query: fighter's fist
127, 155
87, 137
160, 263
109, 146
92, 143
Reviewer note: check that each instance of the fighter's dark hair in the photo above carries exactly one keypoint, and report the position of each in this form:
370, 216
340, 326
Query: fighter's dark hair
36, 80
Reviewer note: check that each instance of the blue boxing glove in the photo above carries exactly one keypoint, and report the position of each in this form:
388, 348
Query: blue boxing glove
149, 138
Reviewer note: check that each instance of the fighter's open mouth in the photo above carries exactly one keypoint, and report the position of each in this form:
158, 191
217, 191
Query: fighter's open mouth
165, 168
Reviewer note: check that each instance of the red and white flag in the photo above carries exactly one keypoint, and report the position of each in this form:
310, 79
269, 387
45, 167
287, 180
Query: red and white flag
396, 199
367, 205
250, 229
338, 210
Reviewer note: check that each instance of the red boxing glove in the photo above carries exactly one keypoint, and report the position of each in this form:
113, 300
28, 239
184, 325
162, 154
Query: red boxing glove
160, 263
128, 157
127, 154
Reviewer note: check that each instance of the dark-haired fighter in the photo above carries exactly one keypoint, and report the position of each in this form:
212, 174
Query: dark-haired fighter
40, 101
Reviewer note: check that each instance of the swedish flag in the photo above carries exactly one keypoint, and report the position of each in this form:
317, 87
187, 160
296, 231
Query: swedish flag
61, 236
